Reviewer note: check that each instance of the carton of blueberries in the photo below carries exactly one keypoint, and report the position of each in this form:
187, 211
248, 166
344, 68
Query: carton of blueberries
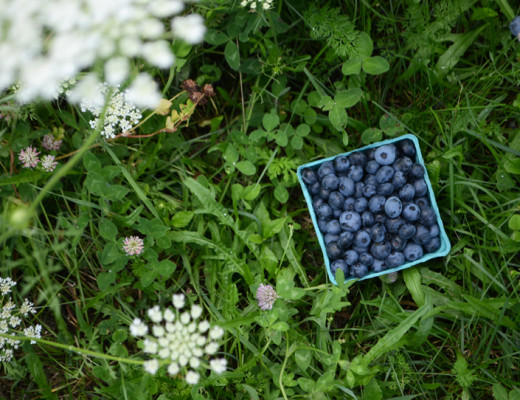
373, 209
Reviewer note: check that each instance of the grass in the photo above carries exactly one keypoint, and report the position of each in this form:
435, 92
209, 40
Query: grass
220, 211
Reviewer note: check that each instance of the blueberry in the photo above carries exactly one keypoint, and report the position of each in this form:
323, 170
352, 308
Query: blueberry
433, 245
358, 192
407, 148
325, 169
314, 188
322, 225
333, 227
422, 235
378, 265
422, 202
333, 251
411, 212
377, 232
351, 257
346, 238
395, 259
369, 190
380, 250
362, 239
329, 238
350, 221
367, 219
420, 187
324, 211
384, 174
376, 203
341, 164
385, 155
394, 224
407, 192
413, 252
366, 259
397, 243
336, 200
514, 26
417, 171
428, 216
385, 189
370, 179
393, 207
434, 230
407, 231
324, 193
358, 158
336, 212
309, 177
403, 164
370, 153
379, 218
346, 186
359, 270
399, 180
361, 204
339, 264
348, 205
355, 172
372, 166
316, 202
330, 182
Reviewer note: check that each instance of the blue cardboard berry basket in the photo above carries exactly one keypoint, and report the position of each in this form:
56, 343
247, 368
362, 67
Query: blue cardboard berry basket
445, 243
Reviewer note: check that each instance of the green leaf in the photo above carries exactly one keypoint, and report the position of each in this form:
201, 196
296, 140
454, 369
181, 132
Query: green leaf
232, 55
270, 120
375, 65
251, 192
303, 358
306, 384
23, 177
412, 278
463, 374
115, 192
105, 279
37, 371
296, 142
371, 135
281, 193
231, 154
365, 46
504, 181
372, 391
338, 117
257, 134
514, 222
500, 392
91, 162
285, 286
303, 130
280, 326
348, 98
182, 218
280, 136
154, 228
107, 229
351, 67
512, 166
246, 167
110, 253
326, 103
215, 37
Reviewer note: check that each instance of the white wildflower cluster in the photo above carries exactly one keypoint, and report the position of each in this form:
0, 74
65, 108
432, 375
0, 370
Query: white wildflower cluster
257, 4
11, 323
47, 42
121, 114
180, 341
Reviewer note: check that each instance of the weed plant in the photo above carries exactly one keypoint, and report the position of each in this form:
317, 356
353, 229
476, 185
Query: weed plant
201, 198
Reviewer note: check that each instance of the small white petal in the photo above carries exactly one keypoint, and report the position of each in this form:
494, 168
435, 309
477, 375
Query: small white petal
151, 366
196, 311
216, 332
173, 369
178, 300
192, 377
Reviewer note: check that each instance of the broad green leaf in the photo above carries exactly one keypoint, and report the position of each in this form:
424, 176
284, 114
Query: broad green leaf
281, 193
257, 135
246, 167
365, 46
110, 253
500, 392
307, 385
296, 142
371, 135
154, 228
91, 162
412, 278
280, 326
148, 278
231, 154
512, 165
107, 229
115, 192
105, 279
280, 137
351, 67
326, 103
348, 98
303, 130
514, 222
338, 117
215, 37
375, 65
251, 192
504, 181
253, 394
303, 358
285, 286
270, 120
232, 55
22, 177
182, 218
372, 391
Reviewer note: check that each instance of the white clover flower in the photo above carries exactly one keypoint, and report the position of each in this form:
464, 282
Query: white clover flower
177, 339
151, 366
48, 163
138, 328
29, 158
47, 42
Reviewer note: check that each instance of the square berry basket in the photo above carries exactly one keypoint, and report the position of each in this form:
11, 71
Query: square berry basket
428, 230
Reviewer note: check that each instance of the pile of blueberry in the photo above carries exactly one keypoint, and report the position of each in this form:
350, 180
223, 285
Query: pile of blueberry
373, 209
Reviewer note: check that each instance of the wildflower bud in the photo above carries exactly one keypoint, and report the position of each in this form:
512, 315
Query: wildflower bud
190, 86
198, 98
208, 90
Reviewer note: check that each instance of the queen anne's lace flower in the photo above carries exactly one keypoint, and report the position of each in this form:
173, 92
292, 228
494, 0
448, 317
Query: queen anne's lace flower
11, 321
254, 4
178, 340
47, 42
